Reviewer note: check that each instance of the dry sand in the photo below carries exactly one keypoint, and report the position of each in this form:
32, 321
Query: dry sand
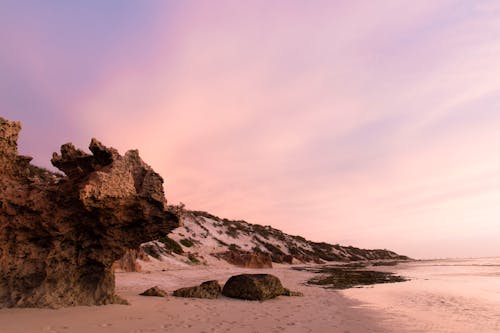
319, 310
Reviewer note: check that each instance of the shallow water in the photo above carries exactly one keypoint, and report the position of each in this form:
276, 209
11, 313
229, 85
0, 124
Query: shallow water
454, 295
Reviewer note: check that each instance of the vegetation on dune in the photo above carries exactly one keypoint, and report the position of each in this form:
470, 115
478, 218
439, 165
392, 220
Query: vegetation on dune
171, 245
193, 258
281, 247
232, 231
186, 242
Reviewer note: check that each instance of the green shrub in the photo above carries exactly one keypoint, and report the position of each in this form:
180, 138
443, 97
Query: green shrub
261, 231
232, 231
151, 250
206, 215
220, 242
171, 245
192, 257
186, 242
257, 249
234, 247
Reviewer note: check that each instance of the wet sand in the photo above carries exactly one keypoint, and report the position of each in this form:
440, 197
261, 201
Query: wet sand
459, 296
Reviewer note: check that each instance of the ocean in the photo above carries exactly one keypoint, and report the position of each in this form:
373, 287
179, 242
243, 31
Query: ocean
452, 295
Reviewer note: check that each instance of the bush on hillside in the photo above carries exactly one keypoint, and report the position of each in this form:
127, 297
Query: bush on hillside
171, 245
186, 242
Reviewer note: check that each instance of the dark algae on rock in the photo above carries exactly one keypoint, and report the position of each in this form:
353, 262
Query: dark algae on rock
349, 276
60, 235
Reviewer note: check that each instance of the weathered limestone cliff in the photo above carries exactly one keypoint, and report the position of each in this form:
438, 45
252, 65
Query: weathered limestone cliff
60, 235
128, 262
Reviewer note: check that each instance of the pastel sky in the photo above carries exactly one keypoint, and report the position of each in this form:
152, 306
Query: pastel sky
366, 123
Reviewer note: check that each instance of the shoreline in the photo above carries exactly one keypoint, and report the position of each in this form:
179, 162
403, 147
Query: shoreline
453, 295
320, 310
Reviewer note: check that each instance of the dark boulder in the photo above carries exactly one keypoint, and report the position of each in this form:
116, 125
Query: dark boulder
209, 289
253, 287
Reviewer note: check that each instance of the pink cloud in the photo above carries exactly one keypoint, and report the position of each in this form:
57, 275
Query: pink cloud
337, 121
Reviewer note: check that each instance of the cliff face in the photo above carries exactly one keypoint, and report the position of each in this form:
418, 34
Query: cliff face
59, 235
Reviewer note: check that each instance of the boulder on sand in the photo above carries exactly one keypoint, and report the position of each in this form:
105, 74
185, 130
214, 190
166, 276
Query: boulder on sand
154, 291
253, 287
209, 289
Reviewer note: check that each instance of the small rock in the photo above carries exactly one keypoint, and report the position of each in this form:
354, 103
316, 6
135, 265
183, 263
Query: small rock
288, 292
154, 291
253, 287
209, 289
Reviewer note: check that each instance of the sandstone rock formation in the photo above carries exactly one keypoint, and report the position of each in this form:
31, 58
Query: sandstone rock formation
128, 262
246, 259
209, 289
253, 287
59, 235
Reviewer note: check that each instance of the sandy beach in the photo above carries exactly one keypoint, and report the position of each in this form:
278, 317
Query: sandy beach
442, 296
320, 310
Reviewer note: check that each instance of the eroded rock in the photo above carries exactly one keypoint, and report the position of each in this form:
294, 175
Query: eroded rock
59, 236
128, 262
253, 287
154, 291
246, 259
209, 289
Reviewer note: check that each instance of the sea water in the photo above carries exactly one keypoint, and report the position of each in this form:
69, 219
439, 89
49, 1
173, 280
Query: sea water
452, 295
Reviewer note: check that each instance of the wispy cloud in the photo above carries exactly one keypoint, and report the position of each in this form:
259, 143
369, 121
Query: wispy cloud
335, 120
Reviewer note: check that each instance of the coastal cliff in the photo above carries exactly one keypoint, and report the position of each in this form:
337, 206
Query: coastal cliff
60, 235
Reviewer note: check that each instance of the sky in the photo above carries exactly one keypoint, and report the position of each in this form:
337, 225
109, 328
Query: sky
367, 123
